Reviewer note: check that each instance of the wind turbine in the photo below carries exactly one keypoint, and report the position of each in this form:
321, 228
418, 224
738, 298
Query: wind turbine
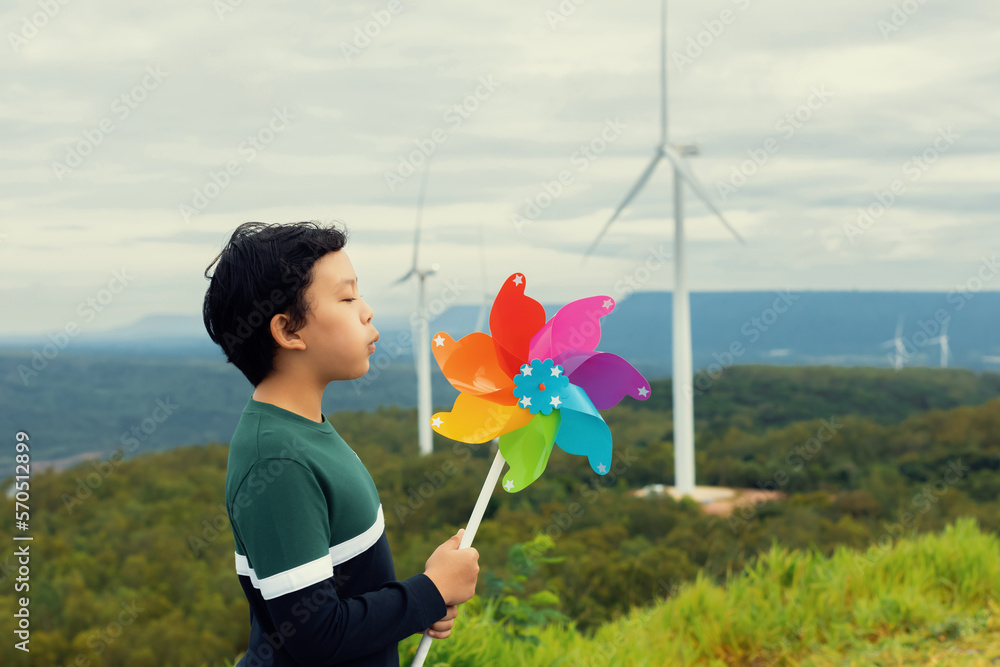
422, 350
943, 340
683, 399
897, 344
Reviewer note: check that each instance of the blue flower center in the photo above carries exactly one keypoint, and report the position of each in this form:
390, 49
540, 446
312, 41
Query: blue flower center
540, 387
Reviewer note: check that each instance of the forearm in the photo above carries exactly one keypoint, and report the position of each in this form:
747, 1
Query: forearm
320, 628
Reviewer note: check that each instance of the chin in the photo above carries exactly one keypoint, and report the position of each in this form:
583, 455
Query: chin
362, 371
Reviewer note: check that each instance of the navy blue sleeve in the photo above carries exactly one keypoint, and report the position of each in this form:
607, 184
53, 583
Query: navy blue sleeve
320, 628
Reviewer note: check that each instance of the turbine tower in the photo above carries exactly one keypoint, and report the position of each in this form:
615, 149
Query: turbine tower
683, 391
943, 341
899, 348
422, 349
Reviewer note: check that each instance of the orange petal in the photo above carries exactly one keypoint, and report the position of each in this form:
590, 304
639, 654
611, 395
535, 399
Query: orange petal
475, 420
470, 364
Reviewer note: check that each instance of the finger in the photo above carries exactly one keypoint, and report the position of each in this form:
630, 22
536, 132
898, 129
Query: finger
452, 612
443, 625
439, 635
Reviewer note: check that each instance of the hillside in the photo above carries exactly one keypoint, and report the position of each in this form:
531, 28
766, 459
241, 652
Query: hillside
153, 528
932, 600
91, 403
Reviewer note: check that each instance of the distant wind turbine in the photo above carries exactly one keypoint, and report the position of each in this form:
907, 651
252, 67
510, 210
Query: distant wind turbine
898, 346
422, 350
683, 399
943, 341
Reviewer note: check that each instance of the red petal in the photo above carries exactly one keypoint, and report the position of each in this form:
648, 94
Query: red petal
514, 319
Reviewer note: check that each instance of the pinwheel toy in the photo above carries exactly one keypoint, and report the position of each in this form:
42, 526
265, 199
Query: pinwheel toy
533, 384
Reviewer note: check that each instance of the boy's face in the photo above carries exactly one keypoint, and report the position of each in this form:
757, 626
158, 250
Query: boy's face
338, 333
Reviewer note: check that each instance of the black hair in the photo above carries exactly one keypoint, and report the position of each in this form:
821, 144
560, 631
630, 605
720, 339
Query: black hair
263, 270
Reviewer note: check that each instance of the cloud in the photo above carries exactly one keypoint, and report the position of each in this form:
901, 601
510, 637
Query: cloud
367, 88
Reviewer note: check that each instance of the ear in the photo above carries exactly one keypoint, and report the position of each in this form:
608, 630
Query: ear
285, 339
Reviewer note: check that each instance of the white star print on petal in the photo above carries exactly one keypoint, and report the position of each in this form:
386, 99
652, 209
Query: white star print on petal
608, 303
437, 421
518, 279
439, 341
556, 370
601, 468
526, 401
509, 484
643, 392
555, 401
526, 370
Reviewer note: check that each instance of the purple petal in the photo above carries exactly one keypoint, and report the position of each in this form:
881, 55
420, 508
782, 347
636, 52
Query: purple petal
607, 379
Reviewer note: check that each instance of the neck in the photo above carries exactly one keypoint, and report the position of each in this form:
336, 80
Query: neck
295, 394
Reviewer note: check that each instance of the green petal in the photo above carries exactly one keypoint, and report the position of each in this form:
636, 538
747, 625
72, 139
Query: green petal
527, 450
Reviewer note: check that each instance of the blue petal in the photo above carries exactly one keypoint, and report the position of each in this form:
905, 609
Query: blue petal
582, 430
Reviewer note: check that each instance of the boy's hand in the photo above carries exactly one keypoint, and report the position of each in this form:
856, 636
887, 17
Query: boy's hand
453, 570
442, 628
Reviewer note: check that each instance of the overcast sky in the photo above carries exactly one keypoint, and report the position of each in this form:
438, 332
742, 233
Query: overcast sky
114, 114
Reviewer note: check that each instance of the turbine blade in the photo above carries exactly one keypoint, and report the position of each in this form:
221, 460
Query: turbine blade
680, 164
420, 212
639, 184
406, 277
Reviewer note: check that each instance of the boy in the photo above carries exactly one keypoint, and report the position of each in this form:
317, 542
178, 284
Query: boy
311, 550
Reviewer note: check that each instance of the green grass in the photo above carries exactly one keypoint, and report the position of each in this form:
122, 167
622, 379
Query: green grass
929, 600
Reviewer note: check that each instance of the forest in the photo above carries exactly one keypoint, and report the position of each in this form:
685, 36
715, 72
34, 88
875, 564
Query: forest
133, 557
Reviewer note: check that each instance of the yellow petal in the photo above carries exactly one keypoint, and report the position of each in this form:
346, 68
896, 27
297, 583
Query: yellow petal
475, 420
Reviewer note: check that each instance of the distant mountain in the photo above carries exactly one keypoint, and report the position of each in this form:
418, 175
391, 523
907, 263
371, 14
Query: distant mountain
799, 328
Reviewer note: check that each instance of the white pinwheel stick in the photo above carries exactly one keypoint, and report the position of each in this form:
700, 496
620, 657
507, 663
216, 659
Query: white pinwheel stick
467, 537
